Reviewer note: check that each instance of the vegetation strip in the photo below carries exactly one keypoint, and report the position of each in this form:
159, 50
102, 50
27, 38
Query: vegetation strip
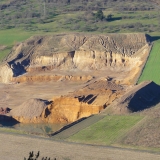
151, 70
106, 131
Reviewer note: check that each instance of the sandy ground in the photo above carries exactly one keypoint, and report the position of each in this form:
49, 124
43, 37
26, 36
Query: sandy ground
12, 95
16, 147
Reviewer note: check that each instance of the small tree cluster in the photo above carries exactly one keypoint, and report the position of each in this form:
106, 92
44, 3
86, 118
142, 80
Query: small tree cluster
33, 156
99, 15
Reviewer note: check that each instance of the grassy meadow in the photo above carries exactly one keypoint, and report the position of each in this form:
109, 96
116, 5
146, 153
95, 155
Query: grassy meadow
106, 131
151, 70
9, 38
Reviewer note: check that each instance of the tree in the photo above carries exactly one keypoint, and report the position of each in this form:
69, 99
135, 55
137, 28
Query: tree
99, 15
33, 156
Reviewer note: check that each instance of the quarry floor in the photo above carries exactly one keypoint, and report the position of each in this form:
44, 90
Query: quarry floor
12, 95
17, 147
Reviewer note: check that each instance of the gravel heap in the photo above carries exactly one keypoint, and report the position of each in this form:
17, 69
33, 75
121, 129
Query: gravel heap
29, 109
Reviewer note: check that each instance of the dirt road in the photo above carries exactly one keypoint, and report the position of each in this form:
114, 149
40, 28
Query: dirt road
16, 147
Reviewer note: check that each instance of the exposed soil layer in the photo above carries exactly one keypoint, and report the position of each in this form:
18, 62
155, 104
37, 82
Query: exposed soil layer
78, 74
138, 98
88, 100
116, 52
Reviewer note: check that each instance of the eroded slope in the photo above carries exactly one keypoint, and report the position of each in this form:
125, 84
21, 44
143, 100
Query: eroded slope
87, 73
116, 52
138, 98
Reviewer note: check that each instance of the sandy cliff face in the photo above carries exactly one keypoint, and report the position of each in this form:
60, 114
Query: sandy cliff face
68, 109
61, 110
6, 74
76, 51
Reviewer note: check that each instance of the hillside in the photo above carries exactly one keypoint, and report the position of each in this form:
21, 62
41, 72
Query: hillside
28, 18
84, 65
70, 15
138, 98
77, 52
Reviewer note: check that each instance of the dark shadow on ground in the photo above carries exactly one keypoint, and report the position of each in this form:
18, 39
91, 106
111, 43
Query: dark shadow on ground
7, 121
114, 19
155, 38
146, 97
68, 126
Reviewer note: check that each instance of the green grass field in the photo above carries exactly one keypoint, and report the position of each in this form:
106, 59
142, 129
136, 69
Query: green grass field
10, 37
107, 131
152, 70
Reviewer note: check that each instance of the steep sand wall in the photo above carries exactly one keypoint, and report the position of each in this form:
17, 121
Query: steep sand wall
76, 51
61, 110
6, 74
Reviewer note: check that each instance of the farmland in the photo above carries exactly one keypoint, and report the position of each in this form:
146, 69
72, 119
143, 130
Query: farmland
106, 131
151, 69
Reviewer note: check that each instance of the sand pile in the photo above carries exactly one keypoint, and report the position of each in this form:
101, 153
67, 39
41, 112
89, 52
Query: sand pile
104, 84
29, 109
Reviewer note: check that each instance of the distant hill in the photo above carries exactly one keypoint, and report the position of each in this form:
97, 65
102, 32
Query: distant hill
26, 13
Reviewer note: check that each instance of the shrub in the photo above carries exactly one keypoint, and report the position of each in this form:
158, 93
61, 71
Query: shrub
33, 156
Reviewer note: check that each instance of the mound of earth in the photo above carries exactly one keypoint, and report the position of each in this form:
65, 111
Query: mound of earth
69, 109
29, 110
91, 99
61, 110
138, 98
79, 52
99, 92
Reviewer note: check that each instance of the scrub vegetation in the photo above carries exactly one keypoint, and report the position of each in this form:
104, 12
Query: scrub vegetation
20, 19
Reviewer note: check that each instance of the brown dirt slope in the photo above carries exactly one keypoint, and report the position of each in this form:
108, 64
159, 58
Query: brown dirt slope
121, 52
90, 99
30, 109
140, 97
147, 133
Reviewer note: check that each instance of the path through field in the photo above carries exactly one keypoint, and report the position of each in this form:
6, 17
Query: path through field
16, 147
